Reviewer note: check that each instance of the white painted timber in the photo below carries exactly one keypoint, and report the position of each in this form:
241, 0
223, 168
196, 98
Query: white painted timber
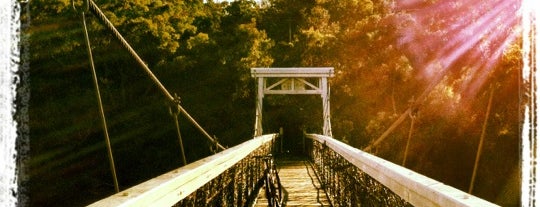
293, 81
414, 188
304, 72
171, 187
293, 92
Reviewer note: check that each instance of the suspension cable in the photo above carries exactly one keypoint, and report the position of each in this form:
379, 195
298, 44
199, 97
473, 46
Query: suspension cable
98, 95
173, 110
481, 142
95, 9
412, 116
414, 106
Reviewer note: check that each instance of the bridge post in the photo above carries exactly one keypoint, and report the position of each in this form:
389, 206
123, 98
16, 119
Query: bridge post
325, 95
259, 107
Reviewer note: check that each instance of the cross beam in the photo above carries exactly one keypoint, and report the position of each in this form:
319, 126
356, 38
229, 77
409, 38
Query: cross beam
303, 80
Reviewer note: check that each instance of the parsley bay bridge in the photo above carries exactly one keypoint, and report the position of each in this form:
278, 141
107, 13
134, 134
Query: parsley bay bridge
330, 172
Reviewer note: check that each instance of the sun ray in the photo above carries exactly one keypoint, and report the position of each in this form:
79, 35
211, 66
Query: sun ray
444, 36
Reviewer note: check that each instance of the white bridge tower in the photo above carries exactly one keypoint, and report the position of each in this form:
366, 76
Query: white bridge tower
293, 81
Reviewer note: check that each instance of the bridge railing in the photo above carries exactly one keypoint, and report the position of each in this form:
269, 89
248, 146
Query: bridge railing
228, 178
352, 177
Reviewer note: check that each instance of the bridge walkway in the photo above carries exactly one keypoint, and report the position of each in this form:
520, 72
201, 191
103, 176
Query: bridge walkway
300, 183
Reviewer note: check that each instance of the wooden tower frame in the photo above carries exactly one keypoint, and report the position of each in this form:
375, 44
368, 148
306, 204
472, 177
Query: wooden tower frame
293, 81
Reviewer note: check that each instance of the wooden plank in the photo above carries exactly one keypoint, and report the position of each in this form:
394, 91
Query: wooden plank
283, 92
300, 183
415, 188
303, 72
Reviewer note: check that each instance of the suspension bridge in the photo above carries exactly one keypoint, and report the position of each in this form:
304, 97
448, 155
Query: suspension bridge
326, 173
331, 173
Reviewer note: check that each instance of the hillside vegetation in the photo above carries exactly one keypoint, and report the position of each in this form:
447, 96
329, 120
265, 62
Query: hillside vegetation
441, 58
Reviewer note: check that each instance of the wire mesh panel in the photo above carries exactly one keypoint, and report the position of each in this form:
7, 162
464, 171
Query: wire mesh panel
352, 177
237, 186
347, 185
229, 178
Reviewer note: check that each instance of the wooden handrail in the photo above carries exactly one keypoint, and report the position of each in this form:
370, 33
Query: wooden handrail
413, 187
171, 187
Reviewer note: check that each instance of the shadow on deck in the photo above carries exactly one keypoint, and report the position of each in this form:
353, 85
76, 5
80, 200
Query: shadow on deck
301, 186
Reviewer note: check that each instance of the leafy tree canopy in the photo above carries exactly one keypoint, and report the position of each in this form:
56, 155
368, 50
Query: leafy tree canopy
386, 55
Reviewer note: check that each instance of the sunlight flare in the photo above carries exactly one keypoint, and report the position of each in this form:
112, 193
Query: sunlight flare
444, 37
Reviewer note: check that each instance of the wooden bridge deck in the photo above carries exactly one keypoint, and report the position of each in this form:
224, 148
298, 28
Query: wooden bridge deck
300, 183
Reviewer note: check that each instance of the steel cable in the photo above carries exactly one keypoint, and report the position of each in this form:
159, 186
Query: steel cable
414, 106
174, 114
95, 9
98, 95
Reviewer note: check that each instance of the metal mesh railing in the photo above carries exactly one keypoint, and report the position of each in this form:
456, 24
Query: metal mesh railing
229, 178
352, 177
345, 184
237, 186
